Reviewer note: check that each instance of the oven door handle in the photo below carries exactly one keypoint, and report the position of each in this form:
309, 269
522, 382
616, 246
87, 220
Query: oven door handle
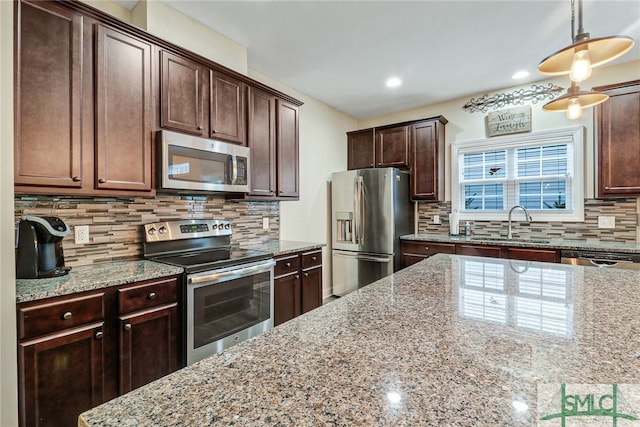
232, 273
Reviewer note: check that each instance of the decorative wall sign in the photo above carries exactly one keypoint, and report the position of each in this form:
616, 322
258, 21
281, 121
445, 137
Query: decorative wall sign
512, 120
517, 97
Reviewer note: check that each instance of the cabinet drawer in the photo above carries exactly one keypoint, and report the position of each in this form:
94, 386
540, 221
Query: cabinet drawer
147, 295
44, 318
427, 248
479, 250
286, 265
311, 259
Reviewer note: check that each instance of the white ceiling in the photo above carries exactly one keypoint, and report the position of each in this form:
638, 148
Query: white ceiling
341, 52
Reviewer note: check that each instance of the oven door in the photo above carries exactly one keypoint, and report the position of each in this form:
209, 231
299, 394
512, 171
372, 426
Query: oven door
228, 306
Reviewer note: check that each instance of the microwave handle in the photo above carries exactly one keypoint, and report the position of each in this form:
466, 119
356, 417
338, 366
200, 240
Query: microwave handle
234, 168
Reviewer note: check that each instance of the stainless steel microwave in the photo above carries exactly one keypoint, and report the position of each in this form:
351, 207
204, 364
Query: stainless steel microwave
191, 163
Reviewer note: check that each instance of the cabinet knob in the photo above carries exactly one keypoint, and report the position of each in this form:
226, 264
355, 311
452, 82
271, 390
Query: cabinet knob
152, 295
127, 326
199, 127
102, 180
288, 264
297, 276
67, 316
99, 335
426, 248
306, 274
76, 179
313, 258
214, 130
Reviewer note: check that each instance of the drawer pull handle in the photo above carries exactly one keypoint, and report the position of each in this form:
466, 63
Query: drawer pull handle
152, 295
67, 316
127, 326
288, 264
99, 335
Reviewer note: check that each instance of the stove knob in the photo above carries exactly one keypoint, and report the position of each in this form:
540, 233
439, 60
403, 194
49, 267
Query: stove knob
151, 231
215, 226
162, 230
227, 226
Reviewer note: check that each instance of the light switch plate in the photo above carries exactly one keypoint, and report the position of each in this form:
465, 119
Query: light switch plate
265, 223
606, 221
81, 234
436, 219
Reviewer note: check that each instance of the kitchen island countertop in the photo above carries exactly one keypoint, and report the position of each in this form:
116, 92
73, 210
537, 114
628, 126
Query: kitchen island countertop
451, 340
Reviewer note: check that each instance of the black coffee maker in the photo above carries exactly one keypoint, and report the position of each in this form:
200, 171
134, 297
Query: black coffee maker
39, 247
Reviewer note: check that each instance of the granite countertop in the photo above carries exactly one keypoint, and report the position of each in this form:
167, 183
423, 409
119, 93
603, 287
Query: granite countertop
283, 247
90, 277
451, 340
599, 246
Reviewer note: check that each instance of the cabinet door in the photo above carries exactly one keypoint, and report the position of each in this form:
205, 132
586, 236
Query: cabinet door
286, 298
48, 94
262, 142
148, 346
227, 108
61, 376
427, 160
619, 141
287, 149
311, 289
361, 149
181, 93
392, 147
123, 107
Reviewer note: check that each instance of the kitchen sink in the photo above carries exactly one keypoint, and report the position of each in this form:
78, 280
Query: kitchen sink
504, 239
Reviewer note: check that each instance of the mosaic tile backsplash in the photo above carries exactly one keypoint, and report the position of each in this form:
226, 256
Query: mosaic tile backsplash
115, 224
624, 210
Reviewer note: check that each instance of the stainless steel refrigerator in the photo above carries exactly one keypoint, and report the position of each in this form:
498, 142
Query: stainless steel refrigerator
371, 209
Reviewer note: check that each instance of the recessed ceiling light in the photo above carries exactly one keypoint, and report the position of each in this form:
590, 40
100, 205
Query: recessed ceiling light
520, 75
394, 82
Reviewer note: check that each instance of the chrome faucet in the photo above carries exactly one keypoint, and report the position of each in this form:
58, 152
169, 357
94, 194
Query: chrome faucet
526, 214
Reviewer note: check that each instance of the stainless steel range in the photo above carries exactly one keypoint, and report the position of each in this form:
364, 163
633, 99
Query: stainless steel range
228, 293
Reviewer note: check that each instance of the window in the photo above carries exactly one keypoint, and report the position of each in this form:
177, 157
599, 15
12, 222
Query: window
541, 171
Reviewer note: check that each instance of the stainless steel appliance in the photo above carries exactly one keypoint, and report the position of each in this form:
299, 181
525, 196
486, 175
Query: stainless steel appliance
371, 209
191, 163
601, 259
228, 292
39, 251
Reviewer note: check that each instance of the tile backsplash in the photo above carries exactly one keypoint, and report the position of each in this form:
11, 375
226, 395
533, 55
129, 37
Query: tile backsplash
624, 210
115, 224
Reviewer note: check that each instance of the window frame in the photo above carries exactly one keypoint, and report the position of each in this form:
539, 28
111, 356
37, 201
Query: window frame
573, 136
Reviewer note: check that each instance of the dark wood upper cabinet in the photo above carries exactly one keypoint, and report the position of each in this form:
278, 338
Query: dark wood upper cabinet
287, 149
181, 94
123, 111
361, 149
427, 160
392, 147
227, 105
262, 142
618, 122
48, 93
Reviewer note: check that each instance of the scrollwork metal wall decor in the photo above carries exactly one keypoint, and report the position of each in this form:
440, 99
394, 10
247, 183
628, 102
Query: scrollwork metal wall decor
517, 97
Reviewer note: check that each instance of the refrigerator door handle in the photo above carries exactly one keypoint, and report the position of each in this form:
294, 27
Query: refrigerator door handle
363, 224
356, 210
361, 257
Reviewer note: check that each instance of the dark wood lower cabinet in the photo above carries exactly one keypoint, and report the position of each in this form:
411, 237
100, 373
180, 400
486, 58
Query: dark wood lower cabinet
78, 351
60, 376
148, 342
297, 285
414, 251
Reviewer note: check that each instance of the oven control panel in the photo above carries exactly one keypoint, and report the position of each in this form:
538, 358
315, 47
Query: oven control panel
186, 229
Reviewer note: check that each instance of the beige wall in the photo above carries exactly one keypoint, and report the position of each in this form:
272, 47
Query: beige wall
8, 371
464, 126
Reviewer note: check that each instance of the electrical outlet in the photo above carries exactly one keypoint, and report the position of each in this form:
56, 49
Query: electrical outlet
436, 219
82, 234
265, 223
606, 221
